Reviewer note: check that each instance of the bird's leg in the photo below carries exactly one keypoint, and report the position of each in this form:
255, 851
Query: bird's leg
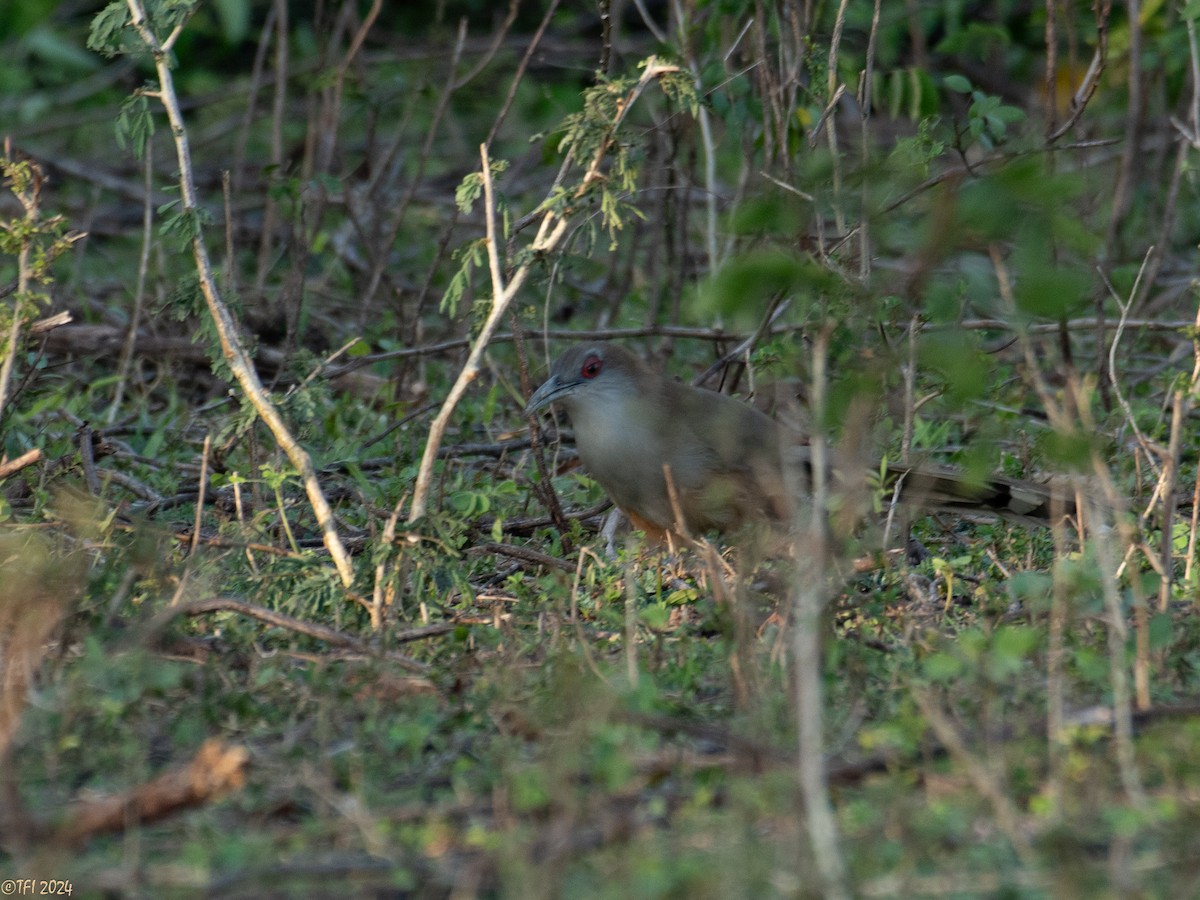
608, 531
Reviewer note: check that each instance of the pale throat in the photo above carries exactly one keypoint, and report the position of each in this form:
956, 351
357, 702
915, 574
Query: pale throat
617, 440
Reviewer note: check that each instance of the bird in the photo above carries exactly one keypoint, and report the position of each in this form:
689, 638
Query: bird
683, 460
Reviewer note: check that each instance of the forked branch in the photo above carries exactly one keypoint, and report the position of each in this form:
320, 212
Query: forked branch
551, 230
231, 346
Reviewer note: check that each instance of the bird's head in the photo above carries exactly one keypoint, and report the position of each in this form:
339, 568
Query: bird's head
590, 374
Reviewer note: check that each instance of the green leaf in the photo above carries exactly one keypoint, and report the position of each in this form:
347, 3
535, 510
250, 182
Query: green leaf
1009, 114
135, 125
468, 191
954, 356
979, 40
1162, 630
656, 617
957, 83
1072, 449
776, 213
745, 283
942, 667
108, 28
1050, 291
895, 100
923, 94
54, 48
234, 16
1031, 586
1012, 645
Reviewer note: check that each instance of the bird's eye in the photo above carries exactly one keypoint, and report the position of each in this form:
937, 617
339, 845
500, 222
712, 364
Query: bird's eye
591, 366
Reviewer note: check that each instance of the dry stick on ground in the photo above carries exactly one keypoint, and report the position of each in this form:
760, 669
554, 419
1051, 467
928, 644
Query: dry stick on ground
549, 233
203, 485
320, 632
57, 320
584, 644
1181, 406
16, 465
525, 554
236, 357
631, 616
216, 769
87, 460
909, 373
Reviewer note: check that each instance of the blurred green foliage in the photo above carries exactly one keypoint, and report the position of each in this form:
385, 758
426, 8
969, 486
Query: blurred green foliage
608, 727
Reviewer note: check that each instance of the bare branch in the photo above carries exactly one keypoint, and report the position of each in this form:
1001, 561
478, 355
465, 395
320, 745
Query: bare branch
235, 354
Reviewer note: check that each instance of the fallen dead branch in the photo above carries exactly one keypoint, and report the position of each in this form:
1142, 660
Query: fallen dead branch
215, 770
21, 462
321, 632
524, 554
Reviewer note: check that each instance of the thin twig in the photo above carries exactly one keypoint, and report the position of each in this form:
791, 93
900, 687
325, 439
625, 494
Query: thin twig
200, 495
236, 358
382, 594
382, 259
1130, 419
810, 596
139, 292
550, 232
1091, 80
310, 629
1008, 817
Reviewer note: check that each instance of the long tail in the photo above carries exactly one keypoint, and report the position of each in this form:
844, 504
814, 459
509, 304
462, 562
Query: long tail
945, 488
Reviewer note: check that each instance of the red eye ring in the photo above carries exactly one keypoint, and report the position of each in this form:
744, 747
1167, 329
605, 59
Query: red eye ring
591, 366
